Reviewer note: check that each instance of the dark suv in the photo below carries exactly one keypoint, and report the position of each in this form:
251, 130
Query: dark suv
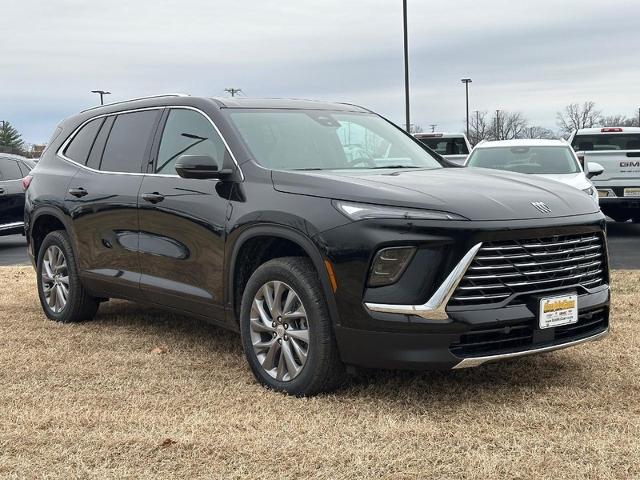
321, 232
13, 169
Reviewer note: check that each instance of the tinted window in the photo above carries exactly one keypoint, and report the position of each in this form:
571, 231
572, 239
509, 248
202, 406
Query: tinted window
446, 146
541, 160
613, 141
9, 170
187, 133
98, 145
126, 147
24, 168
78, 149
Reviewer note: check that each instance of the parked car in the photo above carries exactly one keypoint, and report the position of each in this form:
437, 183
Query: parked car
453, 146
552, 159
260, 216
617, 149
13, 168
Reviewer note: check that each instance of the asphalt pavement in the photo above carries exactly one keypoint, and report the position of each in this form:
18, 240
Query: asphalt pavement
624, 247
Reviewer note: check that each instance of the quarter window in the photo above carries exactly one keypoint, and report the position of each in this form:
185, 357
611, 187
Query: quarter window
128, 142
187, 133
80, 146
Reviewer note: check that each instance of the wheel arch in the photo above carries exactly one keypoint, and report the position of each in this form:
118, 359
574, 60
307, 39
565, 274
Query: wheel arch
296, 237
44, 220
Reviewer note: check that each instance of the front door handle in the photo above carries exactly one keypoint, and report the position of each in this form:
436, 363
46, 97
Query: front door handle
2, 191
78, 192
154, 197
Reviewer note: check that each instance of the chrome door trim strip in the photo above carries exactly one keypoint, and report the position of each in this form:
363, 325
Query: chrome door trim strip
7, 226
60, 152
434, 308
475, 361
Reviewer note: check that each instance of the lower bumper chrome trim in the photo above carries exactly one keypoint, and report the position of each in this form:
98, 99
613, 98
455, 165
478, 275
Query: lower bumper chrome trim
475, 361
434, 308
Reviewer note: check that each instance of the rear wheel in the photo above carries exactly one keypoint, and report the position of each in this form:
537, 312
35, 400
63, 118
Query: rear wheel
62, 296
286, 329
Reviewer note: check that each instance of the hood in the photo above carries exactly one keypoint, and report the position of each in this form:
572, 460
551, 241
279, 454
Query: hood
477, 194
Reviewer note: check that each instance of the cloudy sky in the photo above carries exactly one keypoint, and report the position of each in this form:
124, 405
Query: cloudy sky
528, 56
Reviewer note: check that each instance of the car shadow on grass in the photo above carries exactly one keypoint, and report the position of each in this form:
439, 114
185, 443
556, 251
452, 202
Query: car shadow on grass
518, 379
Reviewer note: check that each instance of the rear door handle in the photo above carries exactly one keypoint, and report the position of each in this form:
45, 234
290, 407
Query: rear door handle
78, 192
154, 197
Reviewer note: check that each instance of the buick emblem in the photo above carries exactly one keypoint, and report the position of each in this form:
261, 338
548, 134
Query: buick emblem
542, 207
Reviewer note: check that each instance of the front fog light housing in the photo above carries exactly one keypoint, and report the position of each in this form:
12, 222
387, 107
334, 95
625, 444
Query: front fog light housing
389, 264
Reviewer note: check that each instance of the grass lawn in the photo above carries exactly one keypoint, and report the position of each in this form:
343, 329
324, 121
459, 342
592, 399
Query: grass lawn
140, 393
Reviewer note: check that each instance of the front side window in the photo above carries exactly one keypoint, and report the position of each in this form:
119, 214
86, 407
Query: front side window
128, 142
523, 159
80, 146
327, 140
9, 170
187, 133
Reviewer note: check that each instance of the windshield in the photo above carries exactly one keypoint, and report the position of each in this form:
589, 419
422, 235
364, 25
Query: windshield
541, 160
446, 146
614, 141
327, 140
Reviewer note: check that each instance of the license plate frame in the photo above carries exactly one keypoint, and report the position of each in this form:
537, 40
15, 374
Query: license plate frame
558, 310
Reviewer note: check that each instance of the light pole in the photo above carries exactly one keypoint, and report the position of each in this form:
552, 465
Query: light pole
102, 93
497, 124
233, 91
466, 82
406, 67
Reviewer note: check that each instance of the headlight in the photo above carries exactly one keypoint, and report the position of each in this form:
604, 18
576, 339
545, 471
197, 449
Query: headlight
362, 211
589, 191
389, 264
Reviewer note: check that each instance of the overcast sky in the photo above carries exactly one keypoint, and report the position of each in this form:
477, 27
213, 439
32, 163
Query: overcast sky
528, 56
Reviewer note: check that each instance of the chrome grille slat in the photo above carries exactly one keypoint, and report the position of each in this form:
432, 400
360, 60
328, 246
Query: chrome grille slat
515, 267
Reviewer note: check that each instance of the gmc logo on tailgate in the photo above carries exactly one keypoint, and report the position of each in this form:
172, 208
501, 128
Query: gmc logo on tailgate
629, 164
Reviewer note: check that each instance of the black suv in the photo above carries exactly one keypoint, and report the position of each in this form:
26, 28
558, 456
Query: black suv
13, 170
321, 232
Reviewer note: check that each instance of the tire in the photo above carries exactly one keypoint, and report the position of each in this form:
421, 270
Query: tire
77, 305
279, 345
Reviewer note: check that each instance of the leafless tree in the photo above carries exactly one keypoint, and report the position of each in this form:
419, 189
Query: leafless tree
535, 131
415, 128
478, 127
575, 116
619, 121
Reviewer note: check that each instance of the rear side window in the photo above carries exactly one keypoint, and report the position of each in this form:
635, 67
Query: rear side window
80, 146
187, 133
128, 142
615, 141
446, 146
24, 169
9, 170
98, 145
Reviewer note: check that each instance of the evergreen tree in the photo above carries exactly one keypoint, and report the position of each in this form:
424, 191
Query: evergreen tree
10, 138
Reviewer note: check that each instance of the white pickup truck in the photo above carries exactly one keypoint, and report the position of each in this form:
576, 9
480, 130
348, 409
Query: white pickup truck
617, 149
453, 146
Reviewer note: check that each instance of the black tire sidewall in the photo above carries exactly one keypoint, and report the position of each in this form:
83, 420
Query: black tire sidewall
317, 318
60, 240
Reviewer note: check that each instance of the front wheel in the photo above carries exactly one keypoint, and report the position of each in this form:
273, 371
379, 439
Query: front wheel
286, 329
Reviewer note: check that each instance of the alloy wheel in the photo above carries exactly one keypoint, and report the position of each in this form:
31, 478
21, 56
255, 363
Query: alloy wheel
279, 331
55, 279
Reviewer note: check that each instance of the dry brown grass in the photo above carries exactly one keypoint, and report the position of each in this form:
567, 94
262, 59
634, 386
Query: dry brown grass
140, 393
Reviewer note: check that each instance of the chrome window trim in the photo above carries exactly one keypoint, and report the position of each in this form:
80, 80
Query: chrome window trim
434, 308
60, 151
475, 361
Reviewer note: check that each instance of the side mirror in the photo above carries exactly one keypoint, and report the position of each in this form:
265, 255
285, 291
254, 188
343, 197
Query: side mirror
594, 169
199, 166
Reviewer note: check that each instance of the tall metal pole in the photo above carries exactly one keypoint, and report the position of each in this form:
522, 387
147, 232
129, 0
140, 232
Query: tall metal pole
102, 93
497, 124
466, 82
406, 67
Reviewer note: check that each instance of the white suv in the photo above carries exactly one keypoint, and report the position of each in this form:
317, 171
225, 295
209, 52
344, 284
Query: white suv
617, 149
552, 159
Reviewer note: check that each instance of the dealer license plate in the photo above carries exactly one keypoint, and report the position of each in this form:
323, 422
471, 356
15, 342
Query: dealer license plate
632, 192
556, 311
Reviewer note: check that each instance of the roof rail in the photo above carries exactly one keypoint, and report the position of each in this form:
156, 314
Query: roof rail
138, 98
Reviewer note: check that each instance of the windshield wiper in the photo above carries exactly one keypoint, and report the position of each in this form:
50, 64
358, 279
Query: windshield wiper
396, 166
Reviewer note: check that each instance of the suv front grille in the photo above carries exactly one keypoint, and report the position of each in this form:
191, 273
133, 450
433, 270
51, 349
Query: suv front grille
525, 335
505, 268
